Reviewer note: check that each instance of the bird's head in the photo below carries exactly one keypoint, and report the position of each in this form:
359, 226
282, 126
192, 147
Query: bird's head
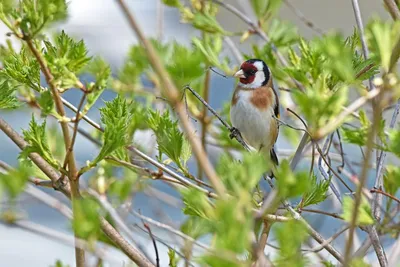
253, 73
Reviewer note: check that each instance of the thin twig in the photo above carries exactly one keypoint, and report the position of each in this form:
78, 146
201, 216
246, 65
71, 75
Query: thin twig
234, 132
303, 18
379, 171
379, 191
100, 252
328, 241
393, 9
135, 255
334, 215
154, 242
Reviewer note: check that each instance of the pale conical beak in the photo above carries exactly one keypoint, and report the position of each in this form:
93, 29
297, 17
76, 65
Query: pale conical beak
239, 74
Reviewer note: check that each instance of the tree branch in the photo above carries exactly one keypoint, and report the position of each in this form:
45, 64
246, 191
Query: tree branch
173, 96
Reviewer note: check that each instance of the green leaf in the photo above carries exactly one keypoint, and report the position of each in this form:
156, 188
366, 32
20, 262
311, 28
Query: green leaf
358, 262
382, 36
244, 175
15, 179
46, 103
170, 139
290, 245
338, 55
32, 16
207, 23
101, 72
7, 95
265, 9
317, 192
36, 138
391, 180
23, 69
172, 3
291, 184
122, 188
86, 221
282, 34
196, 203
357, 136
319, 104
60, 264
116, 116
364, 212
185, 65
394, 143
173, 258
65, 58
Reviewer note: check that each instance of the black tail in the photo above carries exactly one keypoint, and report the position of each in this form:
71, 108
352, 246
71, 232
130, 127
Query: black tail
274, 157
275, 160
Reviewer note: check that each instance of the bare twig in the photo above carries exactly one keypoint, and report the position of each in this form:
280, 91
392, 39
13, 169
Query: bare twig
100, 252
334, 215
379, 191
328, 241
303, 18
154, 242
393, 9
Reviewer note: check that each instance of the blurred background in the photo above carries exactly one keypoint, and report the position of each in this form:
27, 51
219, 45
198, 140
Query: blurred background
105, 31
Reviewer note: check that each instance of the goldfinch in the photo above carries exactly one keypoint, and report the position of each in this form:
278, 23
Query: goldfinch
255, 107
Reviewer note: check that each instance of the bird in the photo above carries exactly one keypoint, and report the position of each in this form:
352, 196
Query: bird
255, 108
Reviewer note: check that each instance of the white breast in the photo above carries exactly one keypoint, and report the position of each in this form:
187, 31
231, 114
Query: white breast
253, 124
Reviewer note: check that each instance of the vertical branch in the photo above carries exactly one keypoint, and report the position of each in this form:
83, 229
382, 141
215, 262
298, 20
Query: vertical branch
204, 118
392, 8
74, 183
160, 19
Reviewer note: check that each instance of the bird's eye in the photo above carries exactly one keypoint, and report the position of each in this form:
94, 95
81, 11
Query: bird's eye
252, 72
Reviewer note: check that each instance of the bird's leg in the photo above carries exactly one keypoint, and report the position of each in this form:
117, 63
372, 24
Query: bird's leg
234, 133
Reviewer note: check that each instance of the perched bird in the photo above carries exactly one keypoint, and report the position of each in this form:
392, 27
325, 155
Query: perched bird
255, 105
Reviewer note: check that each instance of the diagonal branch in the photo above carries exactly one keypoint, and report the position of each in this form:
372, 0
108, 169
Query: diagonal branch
172, 93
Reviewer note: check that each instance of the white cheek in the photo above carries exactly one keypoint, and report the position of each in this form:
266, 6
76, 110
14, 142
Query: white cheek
258, 81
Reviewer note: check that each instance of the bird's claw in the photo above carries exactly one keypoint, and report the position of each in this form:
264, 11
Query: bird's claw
234, 132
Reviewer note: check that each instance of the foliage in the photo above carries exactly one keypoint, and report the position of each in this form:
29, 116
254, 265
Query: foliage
170, 139
116, 117
65, 58
364, 212
36, 138
14, 180
317, 192
323, 75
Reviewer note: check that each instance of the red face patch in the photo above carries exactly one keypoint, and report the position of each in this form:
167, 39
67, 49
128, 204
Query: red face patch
249, 71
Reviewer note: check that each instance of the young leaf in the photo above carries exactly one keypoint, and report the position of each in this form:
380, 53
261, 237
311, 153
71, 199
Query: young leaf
170, 139
289, 253
173, 258
86, 221
391, 180
46, 103
37, 142
14, 180
364, 212
172, 3
32, 16
316, 193
291, 184
101, 72
66, 58
23, 69
245, 175
116, 116
7, 95
382, 37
